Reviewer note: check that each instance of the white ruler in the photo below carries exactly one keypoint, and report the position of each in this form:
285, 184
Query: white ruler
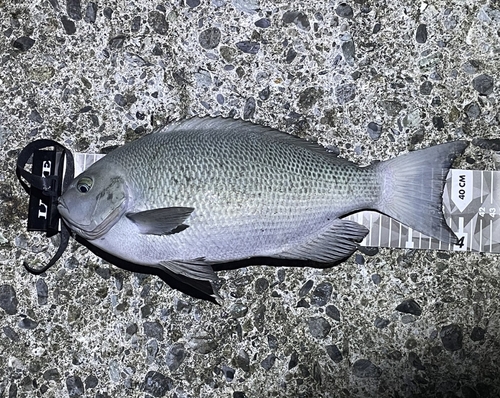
471, 207
84, 160
470, 202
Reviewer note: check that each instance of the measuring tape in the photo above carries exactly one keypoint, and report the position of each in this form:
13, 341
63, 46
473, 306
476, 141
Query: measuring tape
471, 209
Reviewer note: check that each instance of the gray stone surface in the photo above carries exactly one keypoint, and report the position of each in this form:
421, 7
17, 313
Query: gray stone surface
92, 76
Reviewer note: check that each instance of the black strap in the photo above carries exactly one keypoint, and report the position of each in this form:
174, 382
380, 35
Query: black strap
49, 186
65, 234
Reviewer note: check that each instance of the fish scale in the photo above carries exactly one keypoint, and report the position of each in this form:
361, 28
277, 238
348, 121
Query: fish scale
212, 190
241, 170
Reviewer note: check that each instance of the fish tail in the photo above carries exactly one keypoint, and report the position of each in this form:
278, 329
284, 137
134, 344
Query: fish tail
412, 188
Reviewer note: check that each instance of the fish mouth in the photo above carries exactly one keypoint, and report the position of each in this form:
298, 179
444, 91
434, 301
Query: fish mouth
64, 212
88, 231
62, 209
91, 230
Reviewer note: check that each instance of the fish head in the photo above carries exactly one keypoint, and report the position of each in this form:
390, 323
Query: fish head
94, 201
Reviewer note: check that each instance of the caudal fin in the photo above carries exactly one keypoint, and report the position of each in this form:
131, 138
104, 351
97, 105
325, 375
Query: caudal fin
412, 188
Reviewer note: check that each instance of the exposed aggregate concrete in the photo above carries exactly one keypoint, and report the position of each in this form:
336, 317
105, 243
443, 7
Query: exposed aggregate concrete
369, 80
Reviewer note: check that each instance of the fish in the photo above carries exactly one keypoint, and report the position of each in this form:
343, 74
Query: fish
204, 192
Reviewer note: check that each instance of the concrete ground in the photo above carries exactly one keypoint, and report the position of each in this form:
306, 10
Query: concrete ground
369, 79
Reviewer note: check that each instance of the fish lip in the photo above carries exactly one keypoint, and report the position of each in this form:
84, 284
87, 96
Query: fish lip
64, 212
60, 202
61, 207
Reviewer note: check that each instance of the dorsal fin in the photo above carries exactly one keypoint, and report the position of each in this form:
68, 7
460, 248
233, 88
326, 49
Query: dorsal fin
224, 125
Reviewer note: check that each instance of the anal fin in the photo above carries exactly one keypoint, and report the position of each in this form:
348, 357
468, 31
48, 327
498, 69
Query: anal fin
332, 245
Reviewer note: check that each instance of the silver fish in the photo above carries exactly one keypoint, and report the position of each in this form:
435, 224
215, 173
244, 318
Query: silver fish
206, 191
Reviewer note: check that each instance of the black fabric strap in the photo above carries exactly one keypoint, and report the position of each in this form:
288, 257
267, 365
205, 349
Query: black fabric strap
65, 234
49, 186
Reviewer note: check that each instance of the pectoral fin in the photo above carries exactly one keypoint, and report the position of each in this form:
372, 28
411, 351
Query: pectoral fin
163, 221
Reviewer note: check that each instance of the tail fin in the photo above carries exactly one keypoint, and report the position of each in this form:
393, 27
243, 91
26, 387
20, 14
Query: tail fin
412, 188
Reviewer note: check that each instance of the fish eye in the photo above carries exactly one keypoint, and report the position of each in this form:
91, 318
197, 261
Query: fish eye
84, 184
